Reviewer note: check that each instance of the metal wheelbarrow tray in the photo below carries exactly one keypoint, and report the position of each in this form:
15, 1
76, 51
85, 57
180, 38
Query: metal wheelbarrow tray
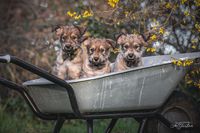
137, 92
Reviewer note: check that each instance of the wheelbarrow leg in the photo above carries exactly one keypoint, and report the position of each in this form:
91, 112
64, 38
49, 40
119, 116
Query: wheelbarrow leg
142, 124
90, 126
58, 126
111, 126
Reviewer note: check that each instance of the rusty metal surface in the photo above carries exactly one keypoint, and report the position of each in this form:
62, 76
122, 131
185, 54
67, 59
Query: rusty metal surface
145, 87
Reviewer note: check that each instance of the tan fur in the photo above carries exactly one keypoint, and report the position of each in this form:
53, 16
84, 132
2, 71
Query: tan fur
90, 71
69, 69
130, 52
101, 50
69, 59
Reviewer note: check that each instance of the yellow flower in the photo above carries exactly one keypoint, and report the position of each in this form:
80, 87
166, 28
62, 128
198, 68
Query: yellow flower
174, 61
77, 17
197, 84
189, 82
71, 14
186, 13
126, 13
148, 49
185, 63
197, 2
179, 63
194, 41
161, 30
113, 3
192, 77
194, 46
197, 26
152, 50
87, 14
153, 37
183, 1
168, 5
175, 6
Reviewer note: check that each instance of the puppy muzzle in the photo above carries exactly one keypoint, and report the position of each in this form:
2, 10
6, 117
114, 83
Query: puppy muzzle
96, 62
67, 48
132, 62
130, 57
69, 52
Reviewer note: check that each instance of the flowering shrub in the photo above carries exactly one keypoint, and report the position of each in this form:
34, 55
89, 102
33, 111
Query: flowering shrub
183, 63
151, 50
77, 16
193, 78
169, 26
113, 3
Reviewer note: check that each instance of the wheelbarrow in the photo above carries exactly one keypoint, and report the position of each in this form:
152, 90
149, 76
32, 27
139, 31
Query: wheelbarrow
147, 93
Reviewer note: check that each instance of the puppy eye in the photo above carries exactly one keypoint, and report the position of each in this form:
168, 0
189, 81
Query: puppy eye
74, 37
64, 38
137, 47
102, 50
91, 50
126, 46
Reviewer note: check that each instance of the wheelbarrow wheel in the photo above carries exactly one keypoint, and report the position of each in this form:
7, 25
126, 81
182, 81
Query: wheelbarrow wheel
179, 108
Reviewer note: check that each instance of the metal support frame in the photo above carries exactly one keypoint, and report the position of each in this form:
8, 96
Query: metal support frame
142, 125
89, 125
42, 73
111, 126
89, 117
58, 125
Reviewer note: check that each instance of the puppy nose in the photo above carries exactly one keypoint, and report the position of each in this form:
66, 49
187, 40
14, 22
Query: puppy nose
96, 58
67, 47
130, 55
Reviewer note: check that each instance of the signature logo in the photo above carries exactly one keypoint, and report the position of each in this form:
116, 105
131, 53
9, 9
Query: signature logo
179, 125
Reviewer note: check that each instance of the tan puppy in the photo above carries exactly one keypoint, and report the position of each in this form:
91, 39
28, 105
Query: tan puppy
69, 58
130, 51
96, 54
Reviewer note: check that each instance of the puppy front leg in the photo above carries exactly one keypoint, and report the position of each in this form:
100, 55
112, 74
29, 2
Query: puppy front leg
62, 72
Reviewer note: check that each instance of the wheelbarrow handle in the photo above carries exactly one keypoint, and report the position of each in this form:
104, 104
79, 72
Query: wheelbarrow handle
44, 74
4, 58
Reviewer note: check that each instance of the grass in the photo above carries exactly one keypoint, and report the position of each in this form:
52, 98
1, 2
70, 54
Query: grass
16, 117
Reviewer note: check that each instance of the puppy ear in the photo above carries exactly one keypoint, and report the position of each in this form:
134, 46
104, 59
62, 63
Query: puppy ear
119, 38
86, 42
112, 43
143, 39
83, 38
58, 30
81, 30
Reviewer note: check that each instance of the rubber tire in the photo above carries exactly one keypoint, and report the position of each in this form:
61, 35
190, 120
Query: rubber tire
179, 107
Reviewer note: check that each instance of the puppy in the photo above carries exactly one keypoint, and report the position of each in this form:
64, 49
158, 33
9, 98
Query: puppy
96, 54
130, 51
69, 58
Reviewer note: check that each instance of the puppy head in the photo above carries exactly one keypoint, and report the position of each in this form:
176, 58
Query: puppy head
131, 46
70, 37
98, 50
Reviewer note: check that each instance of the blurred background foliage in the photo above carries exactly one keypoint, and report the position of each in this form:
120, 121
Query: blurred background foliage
172, 26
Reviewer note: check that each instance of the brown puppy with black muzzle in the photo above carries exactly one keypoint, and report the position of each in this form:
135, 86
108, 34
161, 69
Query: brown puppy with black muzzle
96, 54
69, 59
130, 51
